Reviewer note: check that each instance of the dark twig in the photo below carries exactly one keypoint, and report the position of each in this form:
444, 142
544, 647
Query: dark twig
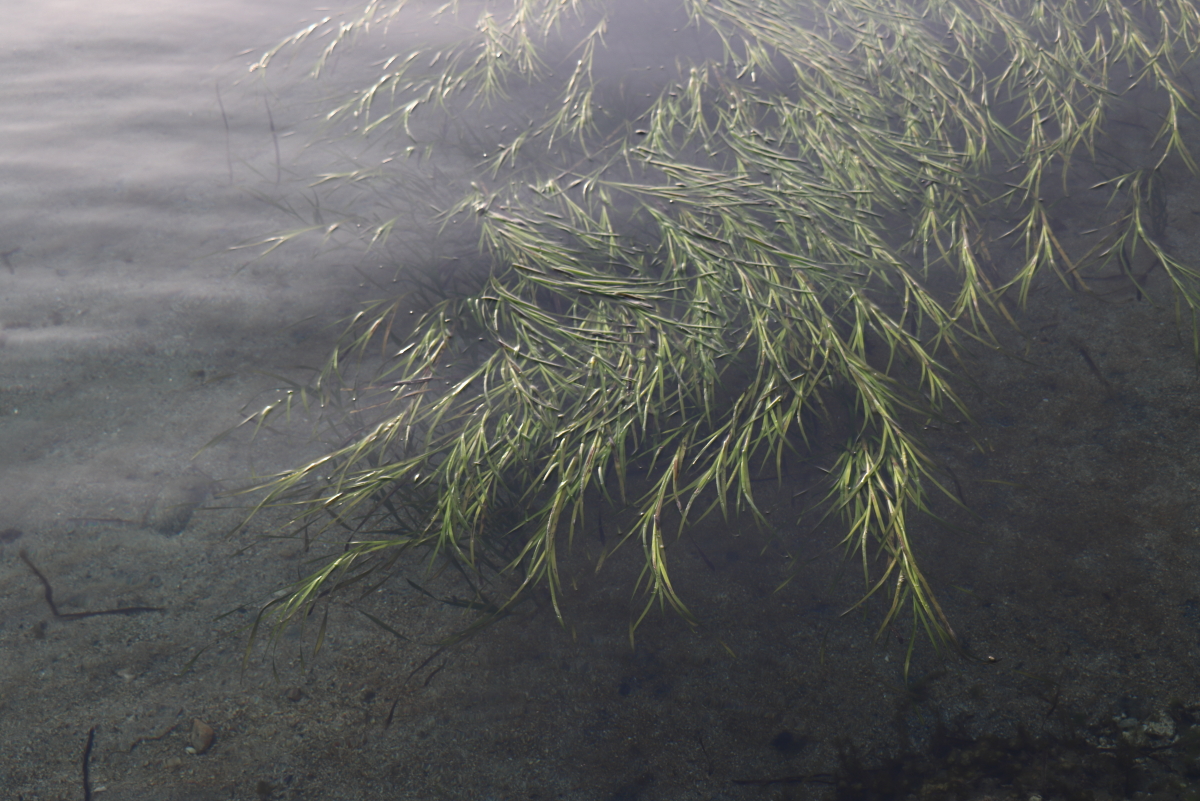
433, 673
1087, 357
391, 714
87, 758
48, 592
957, 486
707, 759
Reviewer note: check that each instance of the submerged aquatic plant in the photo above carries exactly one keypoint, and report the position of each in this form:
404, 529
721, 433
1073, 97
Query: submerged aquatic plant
783, 236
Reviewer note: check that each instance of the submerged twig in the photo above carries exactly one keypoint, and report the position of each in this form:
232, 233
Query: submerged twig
87, 758
48, 593
1091, 363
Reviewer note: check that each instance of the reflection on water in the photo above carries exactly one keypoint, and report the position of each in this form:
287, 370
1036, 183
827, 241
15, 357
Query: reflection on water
135, 151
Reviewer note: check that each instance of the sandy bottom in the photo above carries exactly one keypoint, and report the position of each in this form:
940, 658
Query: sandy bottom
131, 336
1074, 589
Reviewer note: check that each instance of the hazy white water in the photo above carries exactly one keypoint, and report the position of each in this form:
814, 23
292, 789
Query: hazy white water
120, 196
130, 335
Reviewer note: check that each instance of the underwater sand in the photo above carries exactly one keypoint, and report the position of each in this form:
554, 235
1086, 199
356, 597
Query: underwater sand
131, 335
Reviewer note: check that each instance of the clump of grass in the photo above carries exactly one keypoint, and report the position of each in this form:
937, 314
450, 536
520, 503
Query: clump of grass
794, 227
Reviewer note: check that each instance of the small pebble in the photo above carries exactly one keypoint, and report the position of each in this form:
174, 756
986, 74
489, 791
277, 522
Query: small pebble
200, 739
295, 694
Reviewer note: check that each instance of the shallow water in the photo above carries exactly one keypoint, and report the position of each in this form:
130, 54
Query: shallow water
132, 334
122, 302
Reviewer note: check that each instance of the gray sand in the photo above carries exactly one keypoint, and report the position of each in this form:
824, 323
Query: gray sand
131, 335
